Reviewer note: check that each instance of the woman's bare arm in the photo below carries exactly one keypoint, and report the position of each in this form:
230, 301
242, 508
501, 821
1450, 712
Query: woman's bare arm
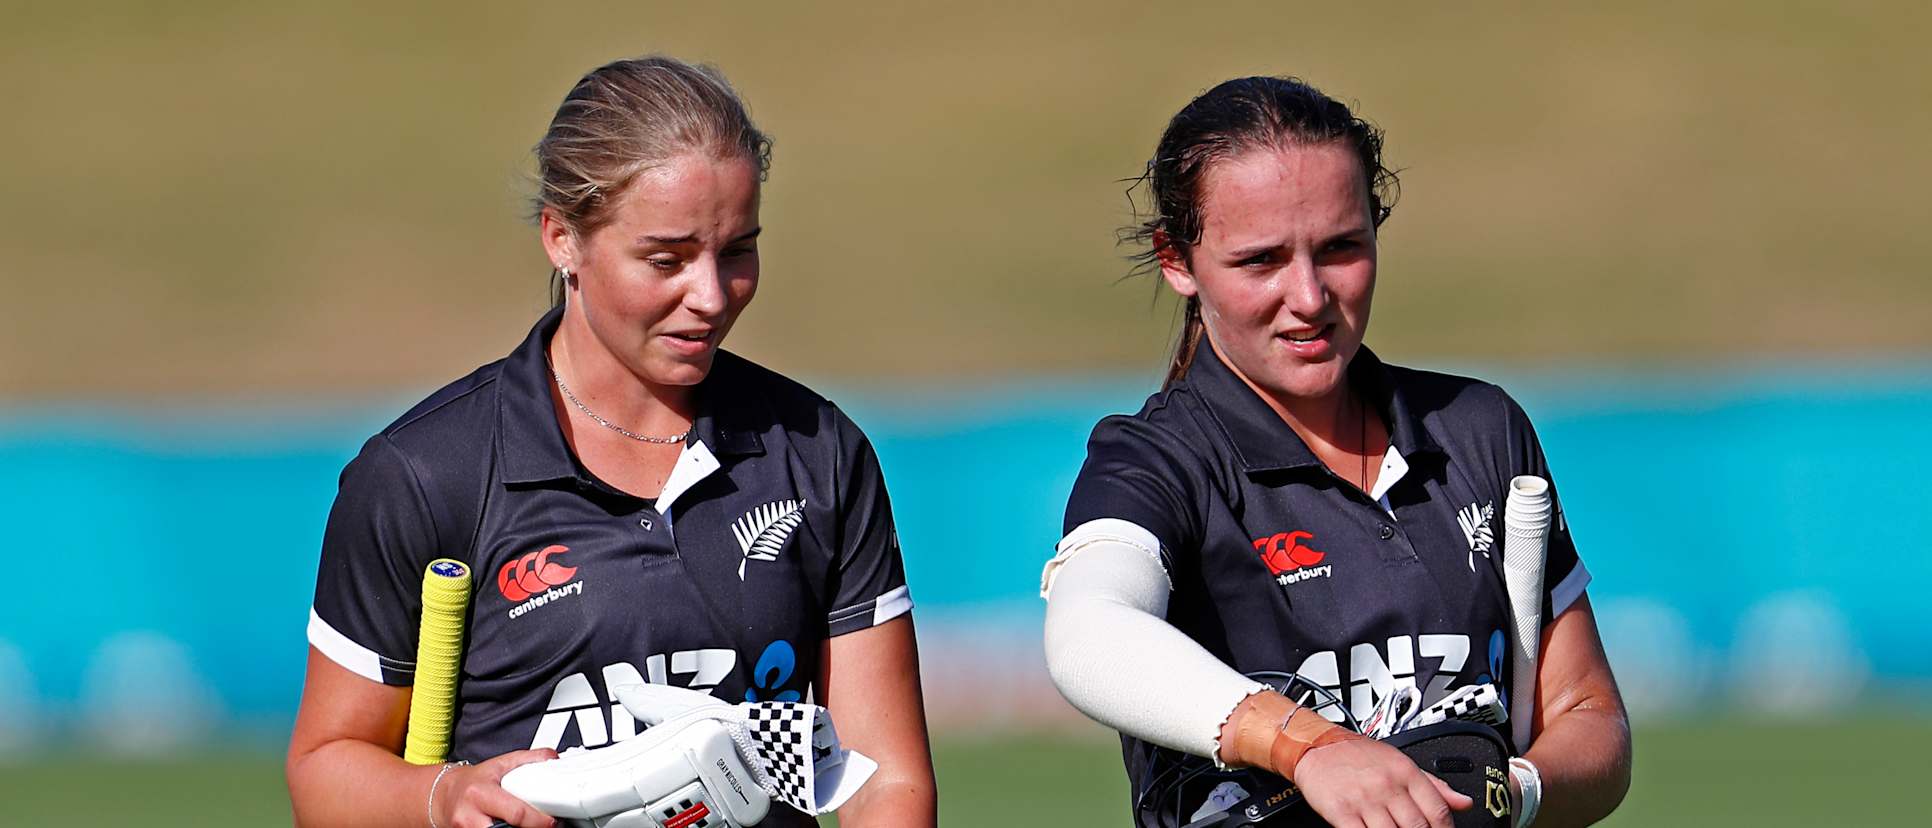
1582, 744
870, 681
345, 766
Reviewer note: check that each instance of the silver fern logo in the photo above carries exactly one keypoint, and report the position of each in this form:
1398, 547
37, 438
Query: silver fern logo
1475, 529
763, 531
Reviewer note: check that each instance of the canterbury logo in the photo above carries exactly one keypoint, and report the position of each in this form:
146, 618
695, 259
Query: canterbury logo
534, 573
1476, 529
1285, 552
762, 532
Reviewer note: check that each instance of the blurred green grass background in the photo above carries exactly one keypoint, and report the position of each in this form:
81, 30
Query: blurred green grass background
1856, 772
212, 200
235, 198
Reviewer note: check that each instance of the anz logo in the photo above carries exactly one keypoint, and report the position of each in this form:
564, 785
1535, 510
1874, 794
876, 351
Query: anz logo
1373, 672
597, 724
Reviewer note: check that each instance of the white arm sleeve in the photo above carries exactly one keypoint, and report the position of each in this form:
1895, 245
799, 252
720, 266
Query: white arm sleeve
1114, 656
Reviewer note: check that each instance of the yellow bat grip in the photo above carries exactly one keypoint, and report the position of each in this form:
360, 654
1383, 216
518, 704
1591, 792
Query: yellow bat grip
439, 652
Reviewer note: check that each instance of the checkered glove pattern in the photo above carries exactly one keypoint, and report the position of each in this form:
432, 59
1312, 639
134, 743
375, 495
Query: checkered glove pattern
1479, 703
781, 739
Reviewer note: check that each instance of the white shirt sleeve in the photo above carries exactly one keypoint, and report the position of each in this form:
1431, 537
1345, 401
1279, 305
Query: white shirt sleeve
1112, 653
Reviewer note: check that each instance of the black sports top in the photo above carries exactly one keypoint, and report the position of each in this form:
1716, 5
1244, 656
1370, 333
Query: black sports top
1279, 565
773, 533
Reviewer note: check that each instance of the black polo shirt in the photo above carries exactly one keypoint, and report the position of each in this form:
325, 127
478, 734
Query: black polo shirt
772, 533
1277, 564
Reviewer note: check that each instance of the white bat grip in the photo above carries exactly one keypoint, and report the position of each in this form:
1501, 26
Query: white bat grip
1526, 525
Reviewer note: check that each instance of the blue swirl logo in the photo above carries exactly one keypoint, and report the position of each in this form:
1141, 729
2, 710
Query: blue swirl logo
775, 667
1498, 648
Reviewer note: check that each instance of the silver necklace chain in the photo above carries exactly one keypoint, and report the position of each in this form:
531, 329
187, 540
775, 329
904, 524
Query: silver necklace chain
642, 438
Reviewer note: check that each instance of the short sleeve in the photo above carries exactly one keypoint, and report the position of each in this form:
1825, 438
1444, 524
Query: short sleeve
368, 589
1142, 474
869, 587
1564, 576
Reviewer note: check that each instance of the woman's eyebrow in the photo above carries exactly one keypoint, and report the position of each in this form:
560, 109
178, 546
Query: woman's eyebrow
1252, 250
692, 238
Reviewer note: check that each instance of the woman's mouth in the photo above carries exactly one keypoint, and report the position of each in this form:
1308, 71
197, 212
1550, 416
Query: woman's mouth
1309, 343
688, 343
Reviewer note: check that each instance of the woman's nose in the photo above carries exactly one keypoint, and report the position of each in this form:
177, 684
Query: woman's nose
706, 294
1303, 291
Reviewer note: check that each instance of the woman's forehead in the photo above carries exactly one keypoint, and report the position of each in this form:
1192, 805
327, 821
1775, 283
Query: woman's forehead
688, 195
1318, 185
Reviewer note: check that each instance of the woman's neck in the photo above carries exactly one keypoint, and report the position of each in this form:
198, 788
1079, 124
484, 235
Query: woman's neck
602, 382
1336, 421
1331, 421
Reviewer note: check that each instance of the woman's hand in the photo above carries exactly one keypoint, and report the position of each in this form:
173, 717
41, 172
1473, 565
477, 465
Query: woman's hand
345, 768
472, 796
1368, 783
1349, 779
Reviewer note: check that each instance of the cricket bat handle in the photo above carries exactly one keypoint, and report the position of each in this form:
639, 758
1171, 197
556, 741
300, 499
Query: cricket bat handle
1526, 523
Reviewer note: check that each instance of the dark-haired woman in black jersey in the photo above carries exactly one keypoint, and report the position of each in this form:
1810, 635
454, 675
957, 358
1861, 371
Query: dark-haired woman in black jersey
1290, 503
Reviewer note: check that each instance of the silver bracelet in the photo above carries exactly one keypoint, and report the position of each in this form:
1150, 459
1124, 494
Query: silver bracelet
1530, 780
437, 783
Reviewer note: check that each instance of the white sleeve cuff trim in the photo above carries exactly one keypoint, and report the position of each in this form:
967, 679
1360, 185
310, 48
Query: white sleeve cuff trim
1570, 589
352, 656
892, 605
1094, 531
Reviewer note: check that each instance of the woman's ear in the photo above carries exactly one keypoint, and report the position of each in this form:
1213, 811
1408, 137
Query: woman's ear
559, 242
1174, 268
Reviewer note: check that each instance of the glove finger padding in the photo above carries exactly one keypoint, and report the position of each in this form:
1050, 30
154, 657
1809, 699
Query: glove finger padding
792, 747
655, 703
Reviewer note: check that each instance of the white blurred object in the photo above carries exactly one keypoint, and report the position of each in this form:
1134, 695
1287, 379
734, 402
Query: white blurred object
19, 708
141, 696
1658, 668
1796, 654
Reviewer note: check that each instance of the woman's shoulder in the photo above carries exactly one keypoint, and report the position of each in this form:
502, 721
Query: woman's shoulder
753, 396
1454, 402
466, 407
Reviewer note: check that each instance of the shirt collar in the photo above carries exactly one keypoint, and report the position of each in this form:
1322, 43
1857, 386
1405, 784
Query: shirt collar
1263, 442
531, 444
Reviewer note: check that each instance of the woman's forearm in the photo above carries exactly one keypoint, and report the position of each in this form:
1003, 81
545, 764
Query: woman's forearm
1582, 747
892, 801
1584, 761
353, 783
1117, 660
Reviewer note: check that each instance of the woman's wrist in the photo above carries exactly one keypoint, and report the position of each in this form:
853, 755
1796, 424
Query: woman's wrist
1529, 785
437, 782
1248, 735
1268, 731
1304, 731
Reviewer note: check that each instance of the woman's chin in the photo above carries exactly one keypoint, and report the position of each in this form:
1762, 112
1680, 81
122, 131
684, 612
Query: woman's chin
678, 371
1310, 382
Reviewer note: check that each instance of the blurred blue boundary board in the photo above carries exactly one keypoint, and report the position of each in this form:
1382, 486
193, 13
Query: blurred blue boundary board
1702, 492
